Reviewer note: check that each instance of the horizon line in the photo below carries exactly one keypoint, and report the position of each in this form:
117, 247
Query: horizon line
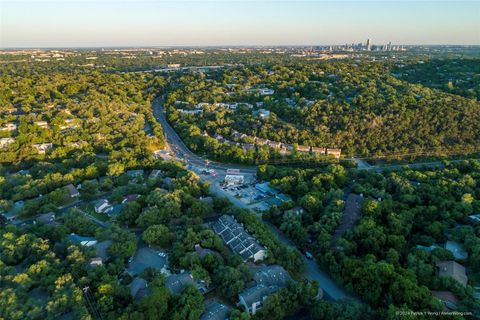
225, 46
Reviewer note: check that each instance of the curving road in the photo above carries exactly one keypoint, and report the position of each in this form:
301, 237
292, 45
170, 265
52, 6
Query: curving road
312, 272
181, 150
331, 290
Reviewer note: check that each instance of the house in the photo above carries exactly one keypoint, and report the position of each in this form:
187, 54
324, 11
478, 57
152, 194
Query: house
263, 113
101, 249
302, 148
76, 144
197, 111
274, 202
202, 105
95, 262
334, 152
10, 216
84, 241
103, 206
134, 174
42, 147
215, 311
266, 91
261, 141
167, 182
237, 239
295, 210
233, 180
456, 249
46, 218
9, 127
252, 298
163, 154
273, 275
69, 124
448, 298
218, 137
42, 124
147, 257
475, 218
202, 252
176, 283
72, 191
155, 174
130, 198
283, 197
454, 270
318, 150
138, 288
275, 145
267, 280
5, 142
116, 209
248, 146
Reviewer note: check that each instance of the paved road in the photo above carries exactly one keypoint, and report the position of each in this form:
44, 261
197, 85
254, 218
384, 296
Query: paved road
312, 271
181, 150
332, 291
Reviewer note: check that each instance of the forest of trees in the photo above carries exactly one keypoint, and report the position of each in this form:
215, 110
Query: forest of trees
378, 259
97, 116
358, 106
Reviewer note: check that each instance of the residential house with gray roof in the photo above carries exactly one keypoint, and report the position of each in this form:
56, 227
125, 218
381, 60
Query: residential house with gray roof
237, 239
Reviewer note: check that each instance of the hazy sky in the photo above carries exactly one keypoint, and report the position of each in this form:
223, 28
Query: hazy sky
69, 23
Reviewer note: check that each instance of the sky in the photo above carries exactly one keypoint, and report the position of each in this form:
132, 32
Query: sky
117, 23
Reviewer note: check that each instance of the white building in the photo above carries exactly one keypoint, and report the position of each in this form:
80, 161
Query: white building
233, 180
43, 147
4, 142
42, 124
103, 206
266, 91
263, 113
9, 127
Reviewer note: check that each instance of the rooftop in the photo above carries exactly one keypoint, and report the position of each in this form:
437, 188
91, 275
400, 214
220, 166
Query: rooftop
214, 311
454, 270
236, 238
176, 283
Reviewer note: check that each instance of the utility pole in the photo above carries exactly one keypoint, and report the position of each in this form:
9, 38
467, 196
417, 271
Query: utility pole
92, 305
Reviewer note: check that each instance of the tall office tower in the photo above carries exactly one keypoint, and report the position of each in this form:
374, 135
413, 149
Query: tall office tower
389, 48
369, 45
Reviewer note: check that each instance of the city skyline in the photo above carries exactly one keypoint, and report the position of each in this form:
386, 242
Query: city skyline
232, 23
